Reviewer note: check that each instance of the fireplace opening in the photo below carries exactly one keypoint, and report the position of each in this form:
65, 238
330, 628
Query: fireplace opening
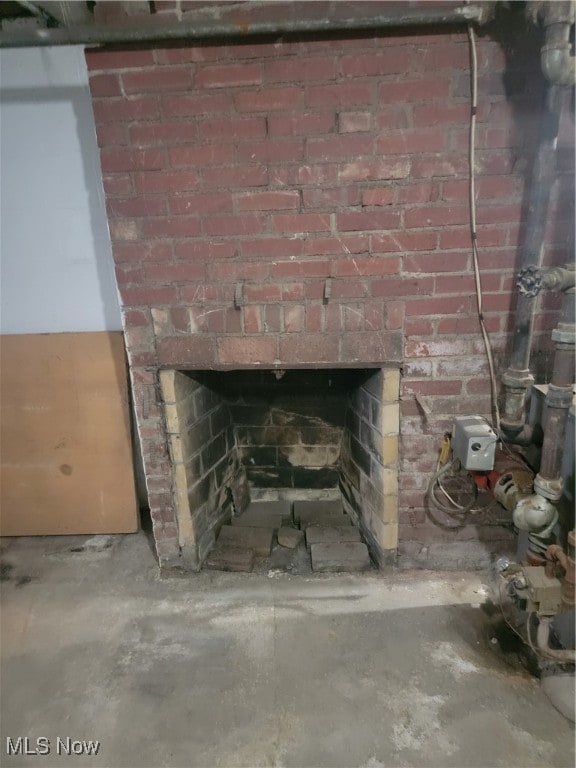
244, 436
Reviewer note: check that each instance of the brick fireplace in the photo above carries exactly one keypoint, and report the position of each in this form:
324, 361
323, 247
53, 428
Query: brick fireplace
289, 435
293, 206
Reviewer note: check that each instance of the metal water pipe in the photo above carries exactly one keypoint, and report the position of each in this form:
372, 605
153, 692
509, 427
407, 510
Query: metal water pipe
538, 512
557, 64
557, 59
241, 22
517, 379
548, 482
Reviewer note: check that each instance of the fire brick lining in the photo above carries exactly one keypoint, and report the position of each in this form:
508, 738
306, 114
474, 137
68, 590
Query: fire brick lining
307, 429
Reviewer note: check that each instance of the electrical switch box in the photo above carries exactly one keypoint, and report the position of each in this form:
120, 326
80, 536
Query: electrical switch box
474, 442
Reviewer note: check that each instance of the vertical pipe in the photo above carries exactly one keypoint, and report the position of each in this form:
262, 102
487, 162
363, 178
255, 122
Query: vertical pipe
543, 175
548, 482
517, 378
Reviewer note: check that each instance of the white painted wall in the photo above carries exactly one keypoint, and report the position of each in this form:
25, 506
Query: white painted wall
56, 262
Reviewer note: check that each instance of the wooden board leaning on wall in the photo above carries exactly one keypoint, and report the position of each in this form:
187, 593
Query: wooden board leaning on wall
66, 463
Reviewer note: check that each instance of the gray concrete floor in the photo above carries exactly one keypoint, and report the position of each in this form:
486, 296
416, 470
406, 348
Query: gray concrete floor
257, 670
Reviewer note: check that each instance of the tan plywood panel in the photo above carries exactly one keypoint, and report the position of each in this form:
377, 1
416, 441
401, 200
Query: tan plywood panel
65, 448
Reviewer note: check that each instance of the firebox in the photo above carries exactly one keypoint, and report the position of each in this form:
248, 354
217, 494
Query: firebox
283, 434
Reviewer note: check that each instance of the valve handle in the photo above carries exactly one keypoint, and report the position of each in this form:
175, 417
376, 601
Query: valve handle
530, 281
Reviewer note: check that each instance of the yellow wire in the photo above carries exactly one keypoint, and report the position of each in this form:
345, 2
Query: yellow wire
445, 450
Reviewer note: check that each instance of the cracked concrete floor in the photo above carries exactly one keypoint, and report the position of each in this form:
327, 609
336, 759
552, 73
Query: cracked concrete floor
257, 670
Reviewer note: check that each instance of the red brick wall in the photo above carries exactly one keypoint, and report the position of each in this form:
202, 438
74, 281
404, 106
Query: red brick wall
279, 165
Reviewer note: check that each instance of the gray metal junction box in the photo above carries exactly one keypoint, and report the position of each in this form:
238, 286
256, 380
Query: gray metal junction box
474, 442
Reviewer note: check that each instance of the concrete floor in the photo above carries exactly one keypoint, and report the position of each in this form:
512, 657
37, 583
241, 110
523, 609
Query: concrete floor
257, 670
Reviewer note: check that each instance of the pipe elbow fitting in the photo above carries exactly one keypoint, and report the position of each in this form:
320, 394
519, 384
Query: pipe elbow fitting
517, 434
558, 65
534, 513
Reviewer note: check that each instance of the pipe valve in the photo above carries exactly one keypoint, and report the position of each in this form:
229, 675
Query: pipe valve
533, 279
530, 280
